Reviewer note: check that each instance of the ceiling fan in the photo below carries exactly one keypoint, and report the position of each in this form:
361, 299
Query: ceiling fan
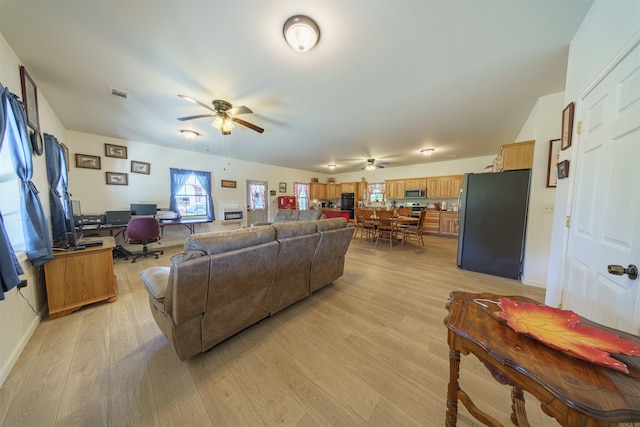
224, 117
372, 165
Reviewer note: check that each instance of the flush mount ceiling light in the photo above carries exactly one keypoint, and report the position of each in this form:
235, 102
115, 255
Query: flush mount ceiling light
331, 167
301, 32
189, 134
427, 151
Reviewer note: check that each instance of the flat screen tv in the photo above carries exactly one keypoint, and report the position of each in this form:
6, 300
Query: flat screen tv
141, 209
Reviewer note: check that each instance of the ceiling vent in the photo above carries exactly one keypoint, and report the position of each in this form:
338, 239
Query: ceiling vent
119, 93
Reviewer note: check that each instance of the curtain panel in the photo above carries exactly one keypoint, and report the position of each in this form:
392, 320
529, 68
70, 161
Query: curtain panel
58, 187
10, 268
35, 228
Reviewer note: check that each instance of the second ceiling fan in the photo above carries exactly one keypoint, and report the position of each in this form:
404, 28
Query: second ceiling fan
224, 115
373, 165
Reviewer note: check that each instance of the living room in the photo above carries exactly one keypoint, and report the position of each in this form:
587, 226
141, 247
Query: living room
88, 186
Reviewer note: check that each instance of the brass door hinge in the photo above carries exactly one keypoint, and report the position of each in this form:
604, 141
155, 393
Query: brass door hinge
567, 221
579, 128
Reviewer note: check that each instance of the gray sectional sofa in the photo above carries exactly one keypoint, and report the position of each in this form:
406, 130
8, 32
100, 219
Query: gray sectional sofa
224, 282
287, 215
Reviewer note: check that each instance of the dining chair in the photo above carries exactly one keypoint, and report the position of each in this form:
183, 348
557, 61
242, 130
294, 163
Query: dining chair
366, 224
416, 230
386, 227
404, 211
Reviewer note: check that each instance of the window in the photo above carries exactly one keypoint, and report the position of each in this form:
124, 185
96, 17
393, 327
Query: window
191, 193
376, 192
9, 194
191, 198
301, 191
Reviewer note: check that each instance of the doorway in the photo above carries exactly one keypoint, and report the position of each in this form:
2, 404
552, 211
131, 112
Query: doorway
257, 201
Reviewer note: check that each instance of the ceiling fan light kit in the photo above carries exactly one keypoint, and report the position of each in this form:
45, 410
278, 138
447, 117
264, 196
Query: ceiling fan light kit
224, 115
301, 32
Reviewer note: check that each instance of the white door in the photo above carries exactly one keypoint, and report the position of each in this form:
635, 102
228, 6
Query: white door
257, 201
605, 212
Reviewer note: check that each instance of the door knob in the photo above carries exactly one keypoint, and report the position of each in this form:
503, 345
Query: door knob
619, 270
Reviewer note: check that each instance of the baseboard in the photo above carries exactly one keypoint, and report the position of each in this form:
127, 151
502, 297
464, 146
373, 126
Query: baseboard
534, 283
5, 370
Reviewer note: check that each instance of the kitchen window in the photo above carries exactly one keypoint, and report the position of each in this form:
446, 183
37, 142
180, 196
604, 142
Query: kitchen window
376, 192
301, 191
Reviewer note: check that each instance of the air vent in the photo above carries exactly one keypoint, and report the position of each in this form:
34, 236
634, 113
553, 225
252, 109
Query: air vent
119, 93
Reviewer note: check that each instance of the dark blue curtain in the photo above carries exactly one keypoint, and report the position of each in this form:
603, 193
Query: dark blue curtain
34, 224
205, 180
178, 179
10, 268
58, 186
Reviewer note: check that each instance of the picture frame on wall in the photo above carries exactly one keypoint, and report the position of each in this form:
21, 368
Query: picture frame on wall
88, 162
567, 126
118, 151
552, 167
30, 99
117, 178
563, 169
283, 187
227, 184
140, 167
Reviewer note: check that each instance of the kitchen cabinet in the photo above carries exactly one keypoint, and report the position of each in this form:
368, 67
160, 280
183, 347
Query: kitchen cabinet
444, 187
415, 183
333, 191
394, 189
449, 224
456, 186
318, 191
348, 187
432, 222
361, 190
432, 187
518, 155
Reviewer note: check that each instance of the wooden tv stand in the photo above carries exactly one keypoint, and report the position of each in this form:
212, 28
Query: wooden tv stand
81, 277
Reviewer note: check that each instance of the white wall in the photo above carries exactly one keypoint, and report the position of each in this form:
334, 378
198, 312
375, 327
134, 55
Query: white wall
543, 125
17, 318
606, 29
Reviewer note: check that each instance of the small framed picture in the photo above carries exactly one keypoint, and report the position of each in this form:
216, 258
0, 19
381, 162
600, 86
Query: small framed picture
140, 167
563, 169
567, 126
30, 99
118, 151
88, 162
552, 166
227, 184
117, 178
283, 187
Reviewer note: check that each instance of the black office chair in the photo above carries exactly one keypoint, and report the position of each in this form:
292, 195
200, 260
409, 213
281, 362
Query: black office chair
142, 231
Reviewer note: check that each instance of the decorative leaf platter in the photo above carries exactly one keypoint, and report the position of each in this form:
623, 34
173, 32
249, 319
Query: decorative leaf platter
560, 329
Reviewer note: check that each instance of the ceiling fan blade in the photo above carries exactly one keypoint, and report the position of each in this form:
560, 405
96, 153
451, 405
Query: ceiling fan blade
247, 124
195, 101
199, 116
240, 110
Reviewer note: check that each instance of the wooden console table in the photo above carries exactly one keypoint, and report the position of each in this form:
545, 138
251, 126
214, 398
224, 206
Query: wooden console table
77, 278
573, 391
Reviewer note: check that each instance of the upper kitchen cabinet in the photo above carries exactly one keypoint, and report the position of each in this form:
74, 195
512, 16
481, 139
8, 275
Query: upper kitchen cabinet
348, 187
444, 187
456, 185
415, 183
318, 191
361, 190
333, 191
395, 189
518, 155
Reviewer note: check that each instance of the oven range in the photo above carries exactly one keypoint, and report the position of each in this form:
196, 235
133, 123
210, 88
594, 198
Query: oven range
416, 207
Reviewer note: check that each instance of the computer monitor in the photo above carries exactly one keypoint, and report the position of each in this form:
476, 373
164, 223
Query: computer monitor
140, 209
112, 218
70, 222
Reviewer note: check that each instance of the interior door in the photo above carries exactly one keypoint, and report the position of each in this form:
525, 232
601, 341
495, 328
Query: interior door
605, 211
257, 201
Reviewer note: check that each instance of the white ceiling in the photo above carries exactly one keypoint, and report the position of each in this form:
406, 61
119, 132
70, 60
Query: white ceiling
387, 78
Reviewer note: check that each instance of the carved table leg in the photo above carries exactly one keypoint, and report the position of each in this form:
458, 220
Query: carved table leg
454, 386
518, 412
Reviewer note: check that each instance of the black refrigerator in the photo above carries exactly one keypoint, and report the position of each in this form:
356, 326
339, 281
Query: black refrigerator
493, 219
347, 203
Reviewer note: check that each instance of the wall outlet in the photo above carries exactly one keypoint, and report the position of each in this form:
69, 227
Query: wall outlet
547, 208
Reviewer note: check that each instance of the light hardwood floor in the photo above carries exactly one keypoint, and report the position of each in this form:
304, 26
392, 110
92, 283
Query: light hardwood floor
368, 350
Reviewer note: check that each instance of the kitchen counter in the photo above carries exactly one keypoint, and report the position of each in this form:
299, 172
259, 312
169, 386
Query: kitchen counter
335, 213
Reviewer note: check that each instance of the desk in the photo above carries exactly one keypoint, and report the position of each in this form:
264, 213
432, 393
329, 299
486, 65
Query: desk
189, 223
574, 392
77, 278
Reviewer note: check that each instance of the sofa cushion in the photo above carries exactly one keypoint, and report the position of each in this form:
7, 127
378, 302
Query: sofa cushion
155, 280
292, 229
331, 224
186, 256
284, 215
309, 215
223, 241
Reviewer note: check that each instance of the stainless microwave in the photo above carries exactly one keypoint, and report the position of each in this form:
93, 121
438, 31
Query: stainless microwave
415, 193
